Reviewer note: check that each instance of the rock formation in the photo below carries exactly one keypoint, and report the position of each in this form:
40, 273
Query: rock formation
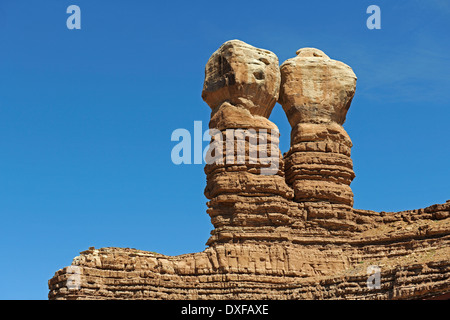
241, 87
316, 93
284, 227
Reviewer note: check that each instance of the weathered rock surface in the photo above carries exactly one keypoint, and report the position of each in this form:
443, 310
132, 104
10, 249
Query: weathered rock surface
242, 75
241, 87
280, 231
316, 93
315, 88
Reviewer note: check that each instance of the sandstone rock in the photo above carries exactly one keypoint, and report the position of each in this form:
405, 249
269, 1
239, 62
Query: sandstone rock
228, 116
315, 88
244, 76
316, 93
241, 87
290, 233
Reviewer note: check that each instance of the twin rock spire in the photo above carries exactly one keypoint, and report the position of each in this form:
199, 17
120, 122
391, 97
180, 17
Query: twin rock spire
284, 226
242, 85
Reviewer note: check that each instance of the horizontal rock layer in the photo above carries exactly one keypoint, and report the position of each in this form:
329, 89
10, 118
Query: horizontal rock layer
411, 249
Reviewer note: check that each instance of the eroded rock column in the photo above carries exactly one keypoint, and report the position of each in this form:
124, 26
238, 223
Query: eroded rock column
316, 93
245, 181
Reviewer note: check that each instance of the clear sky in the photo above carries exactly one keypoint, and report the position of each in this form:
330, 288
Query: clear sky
86, 116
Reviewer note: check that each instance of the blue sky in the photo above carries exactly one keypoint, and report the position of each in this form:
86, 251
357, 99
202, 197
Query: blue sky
86, 116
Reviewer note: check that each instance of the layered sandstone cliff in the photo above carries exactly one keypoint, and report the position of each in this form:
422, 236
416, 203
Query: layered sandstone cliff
284, 226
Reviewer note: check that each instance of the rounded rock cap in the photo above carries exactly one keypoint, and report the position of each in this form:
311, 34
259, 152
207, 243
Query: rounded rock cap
242, 75
315, 88
311, 53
